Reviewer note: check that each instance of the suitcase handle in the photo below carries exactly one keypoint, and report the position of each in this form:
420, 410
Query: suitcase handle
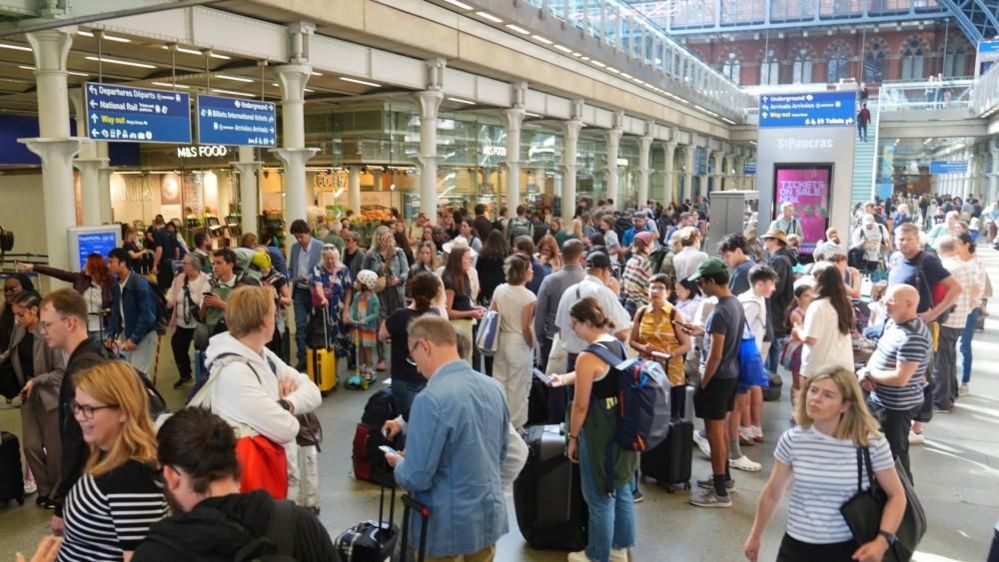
412, 504
381, 510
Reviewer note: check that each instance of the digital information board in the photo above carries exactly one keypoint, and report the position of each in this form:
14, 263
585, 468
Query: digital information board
820, 109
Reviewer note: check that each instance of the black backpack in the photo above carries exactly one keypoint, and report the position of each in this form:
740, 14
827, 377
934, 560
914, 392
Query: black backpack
622, 225
162, 312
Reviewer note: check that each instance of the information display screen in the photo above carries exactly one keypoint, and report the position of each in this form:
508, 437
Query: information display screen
84, 241
807, 187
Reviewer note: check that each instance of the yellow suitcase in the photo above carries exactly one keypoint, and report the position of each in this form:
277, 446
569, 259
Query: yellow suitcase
321, 367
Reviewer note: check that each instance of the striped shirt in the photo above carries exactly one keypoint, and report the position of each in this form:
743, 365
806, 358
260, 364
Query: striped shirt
825, 477
635, 281
110, 514
902, 343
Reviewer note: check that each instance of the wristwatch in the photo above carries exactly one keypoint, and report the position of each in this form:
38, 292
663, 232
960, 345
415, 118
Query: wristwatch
892, 539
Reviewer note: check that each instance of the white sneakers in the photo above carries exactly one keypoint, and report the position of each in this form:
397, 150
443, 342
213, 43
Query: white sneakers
964, 391
617, 555
30, 487
916, 438
702, 443
745, 463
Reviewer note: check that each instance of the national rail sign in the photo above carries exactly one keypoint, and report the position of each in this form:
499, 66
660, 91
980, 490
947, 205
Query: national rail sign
236, 121
949, 167
818, 109
126, 114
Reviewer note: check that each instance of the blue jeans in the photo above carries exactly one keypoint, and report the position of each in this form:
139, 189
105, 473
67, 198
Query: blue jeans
612, 518
403, 394
302, 300
965, 348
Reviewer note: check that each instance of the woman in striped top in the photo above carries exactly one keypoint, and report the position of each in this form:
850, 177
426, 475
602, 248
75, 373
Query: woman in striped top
820, 453
109, 510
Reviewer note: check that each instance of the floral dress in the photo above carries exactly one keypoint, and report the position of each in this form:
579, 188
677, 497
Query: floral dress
335, 286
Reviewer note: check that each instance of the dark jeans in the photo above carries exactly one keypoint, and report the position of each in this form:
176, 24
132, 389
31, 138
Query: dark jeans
302, 301
164, 276
862, 131
793, 550
945, 382
895, 425
966, 336
403, 394
180, 343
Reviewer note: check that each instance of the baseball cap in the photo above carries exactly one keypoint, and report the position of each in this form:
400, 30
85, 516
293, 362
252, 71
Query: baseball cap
709, 266
598, 260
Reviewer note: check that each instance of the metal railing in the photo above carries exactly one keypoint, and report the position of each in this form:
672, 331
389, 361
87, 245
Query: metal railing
925, 95
985, 100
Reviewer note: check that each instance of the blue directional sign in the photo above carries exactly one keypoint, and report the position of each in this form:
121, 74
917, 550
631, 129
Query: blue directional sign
820, 109
989, 47
235, 121
126, 114
749, 168
948, 167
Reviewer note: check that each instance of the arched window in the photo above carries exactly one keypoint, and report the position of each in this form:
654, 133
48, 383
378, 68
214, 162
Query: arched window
874, 63
802, 67
955, 61
732, 66
838, 66
913, 54
770, 68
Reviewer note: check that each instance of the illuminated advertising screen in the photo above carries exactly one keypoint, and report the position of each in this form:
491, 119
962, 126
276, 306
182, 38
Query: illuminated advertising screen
807, 187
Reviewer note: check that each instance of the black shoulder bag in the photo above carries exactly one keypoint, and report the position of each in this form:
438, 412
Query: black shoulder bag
863, 511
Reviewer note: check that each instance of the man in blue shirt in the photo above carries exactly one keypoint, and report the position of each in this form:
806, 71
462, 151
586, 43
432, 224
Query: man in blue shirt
456, 442
305, 256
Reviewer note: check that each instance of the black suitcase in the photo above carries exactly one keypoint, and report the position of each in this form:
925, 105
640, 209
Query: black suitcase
11, 472
370, 541
547, 496
669, 464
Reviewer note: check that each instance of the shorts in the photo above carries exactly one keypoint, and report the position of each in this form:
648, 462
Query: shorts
716, 400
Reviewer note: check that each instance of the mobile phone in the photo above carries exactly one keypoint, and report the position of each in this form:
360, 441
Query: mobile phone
388, 450
544, 378
661, 355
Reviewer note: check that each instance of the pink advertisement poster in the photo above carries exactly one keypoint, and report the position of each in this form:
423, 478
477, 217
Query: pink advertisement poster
808, 189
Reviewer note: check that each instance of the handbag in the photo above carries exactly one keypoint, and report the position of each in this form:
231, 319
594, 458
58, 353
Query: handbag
487, 339
751, 369
263, 465
862, 512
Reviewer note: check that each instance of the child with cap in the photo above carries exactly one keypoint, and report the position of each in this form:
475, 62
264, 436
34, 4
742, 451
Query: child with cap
364, 315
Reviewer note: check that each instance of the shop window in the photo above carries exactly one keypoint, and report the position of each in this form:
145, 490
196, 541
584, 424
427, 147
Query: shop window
770, 69
802, 67
874, 63
838, 66
732, 67
912, 60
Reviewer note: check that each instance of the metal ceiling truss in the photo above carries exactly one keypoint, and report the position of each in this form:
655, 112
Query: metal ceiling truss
20, 16
978, 19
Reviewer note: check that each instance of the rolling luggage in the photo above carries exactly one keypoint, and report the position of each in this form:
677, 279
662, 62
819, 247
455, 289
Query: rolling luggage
370, 541
669, 464
369, 462
547, 496
11, 471
321, 361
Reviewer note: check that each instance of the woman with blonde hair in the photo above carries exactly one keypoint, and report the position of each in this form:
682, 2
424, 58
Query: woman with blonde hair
389, 261
333, 290
822, 454
109, 510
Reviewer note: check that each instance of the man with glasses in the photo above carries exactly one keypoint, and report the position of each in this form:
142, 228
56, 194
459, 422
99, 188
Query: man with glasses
64, 323
305, 256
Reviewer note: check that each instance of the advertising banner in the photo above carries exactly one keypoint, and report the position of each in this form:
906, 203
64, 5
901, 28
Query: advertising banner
807, 187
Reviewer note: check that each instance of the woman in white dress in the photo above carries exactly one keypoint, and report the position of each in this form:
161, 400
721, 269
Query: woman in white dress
513, 361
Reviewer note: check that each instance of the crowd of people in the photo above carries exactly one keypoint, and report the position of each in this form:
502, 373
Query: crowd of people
870, 327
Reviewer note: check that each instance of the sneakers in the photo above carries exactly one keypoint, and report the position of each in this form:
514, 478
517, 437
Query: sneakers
181, 382
702, 443
616, 555
30, 487
708, 498
916, 438
757, 432
964, 391
638, 496
745, 463
709, 484
746, 436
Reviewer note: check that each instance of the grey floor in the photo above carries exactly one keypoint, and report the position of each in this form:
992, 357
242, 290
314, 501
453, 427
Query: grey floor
956, 472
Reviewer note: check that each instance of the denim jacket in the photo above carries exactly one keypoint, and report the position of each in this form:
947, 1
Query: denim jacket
314, 254
456, 443
140, 309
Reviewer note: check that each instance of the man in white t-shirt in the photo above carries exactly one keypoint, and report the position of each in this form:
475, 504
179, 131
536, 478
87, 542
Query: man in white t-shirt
601, 285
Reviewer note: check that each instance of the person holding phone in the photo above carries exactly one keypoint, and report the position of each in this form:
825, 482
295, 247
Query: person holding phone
654, 334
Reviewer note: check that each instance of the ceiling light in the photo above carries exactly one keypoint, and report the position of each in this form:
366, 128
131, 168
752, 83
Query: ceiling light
121, 62
458, 4
85, 33
233, 78
117, 39
585, 58
529, 114
218, 56
14, 47
544, 40
727, 120
314, 73
180, 49
310, 90
598, 63
563, 49
74, 73
488, 16
459, 100
626, 75
168, 85
362, 82
233, 93
518, 29
575, 54
614, 70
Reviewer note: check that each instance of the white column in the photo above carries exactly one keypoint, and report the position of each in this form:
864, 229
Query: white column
719, 175
968, 181
688, 173
569, 167
514, 119
89, 164
613, 170
54, 146
669, 152
429, 102
354, 186
293, 153
104, 184
644, 146
249, 199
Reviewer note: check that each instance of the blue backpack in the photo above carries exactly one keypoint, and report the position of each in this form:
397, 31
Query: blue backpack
643, 400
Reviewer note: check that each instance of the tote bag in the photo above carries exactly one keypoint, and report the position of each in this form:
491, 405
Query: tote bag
487, 339
751, 369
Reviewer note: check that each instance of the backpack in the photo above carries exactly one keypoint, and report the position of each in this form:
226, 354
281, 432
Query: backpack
519, 226
622, 225
643, 400
157, 405
162, 312
937, 294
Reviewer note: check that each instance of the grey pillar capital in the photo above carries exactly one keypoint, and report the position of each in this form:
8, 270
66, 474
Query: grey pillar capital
292, 79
